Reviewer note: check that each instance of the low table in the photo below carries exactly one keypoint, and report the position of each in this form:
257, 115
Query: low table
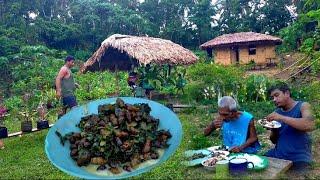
273, 171
275, 168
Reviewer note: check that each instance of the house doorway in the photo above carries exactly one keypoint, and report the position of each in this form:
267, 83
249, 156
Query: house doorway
235, 59
237, 55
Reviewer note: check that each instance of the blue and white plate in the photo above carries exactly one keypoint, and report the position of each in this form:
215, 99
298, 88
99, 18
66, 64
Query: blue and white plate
198, 161
269, 124
60, 155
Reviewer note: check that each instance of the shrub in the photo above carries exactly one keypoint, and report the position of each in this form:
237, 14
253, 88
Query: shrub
13, 103
211, 81
99, 85
82, 55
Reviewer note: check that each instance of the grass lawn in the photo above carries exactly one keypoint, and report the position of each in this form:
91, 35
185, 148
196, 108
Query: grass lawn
24, 157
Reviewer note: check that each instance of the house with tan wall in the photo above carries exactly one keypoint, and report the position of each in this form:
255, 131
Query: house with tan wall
242, 48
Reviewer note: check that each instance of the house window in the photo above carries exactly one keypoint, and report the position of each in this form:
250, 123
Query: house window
252, 50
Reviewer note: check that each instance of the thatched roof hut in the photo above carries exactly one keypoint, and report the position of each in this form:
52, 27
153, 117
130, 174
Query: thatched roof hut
242, 38
243, 48
122, 51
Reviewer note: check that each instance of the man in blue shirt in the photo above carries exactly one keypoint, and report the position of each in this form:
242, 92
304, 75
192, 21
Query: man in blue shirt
238, 130
292, 141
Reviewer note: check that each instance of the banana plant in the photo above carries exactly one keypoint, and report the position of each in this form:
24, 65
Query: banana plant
150, 76
257, 88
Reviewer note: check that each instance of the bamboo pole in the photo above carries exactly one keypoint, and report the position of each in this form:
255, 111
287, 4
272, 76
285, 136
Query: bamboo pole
307, 66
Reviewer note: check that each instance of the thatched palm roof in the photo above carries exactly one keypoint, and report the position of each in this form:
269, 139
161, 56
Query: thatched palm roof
241, 38
125, 50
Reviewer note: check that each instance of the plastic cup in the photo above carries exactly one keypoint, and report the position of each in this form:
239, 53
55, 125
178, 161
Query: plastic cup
222, 168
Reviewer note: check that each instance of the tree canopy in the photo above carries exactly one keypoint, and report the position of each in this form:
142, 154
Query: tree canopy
81, 25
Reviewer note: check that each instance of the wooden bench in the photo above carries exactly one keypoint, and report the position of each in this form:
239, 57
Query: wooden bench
271, 62
179, 107
258, 67
275, 168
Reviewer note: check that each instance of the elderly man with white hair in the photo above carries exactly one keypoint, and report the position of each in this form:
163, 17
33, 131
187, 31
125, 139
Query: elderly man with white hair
238, 130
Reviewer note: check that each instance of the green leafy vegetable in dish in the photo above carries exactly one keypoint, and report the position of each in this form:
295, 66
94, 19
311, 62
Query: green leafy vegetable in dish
119, 137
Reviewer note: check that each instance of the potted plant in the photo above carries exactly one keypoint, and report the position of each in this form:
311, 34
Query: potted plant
42, 123
3, 129
50, 99
26, 123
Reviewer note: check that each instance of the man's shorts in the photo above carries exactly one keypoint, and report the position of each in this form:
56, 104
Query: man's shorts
69, 101
148, 90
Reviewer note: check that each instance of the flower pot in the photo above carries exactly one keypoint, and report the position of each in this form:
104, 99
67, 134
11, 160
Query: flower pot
26, 126
42, 124
3, 132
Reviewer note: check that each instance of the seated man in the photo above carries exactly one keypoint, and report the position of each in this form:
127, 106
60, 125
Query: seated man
291, 139
238, 130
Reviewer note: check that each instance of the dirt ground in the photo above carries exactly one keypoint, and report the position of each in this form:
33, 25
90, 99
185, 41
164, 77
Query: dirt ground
269, 72
276, 72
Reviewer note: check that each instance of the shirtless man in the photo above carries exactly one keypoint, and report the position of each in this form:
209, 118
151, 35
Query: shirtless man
65, 85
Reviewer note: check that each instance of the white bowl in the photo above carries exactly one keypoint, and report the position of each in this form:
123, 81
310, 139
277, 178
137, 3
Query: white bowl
210, 164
